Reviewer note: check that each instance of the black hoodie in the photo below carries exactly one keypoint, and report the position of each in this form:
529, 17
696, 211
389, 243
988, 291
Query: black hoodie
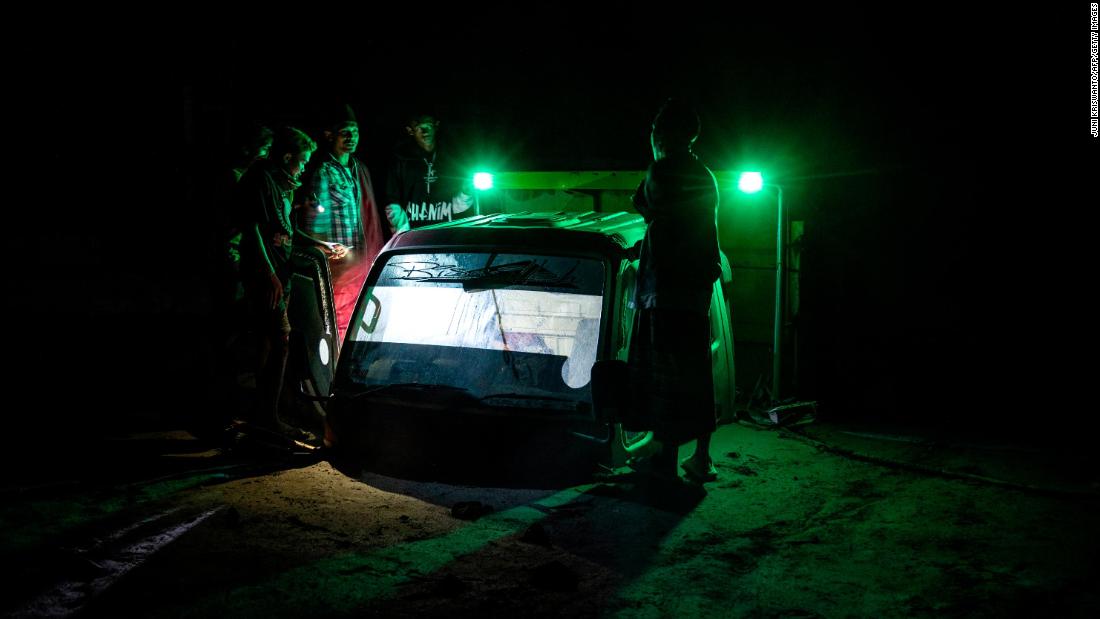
429, 187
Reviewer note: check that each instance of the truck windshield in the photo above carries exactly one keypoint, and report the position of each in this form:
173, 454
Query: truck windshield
513, 329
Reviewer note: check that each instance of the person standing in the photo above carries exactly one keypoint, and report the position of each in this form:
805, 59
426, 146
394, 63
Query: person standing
341, 210
679, 262
229, 312
252, 147
263, 204
424, 186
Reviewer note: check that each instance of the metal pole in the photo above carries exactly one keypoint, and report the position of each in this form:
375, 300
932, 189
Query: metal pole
777, 336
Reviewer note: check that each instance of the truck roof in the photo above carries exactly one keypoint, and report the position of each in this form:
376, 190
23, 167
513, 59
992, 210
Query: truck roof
585, 232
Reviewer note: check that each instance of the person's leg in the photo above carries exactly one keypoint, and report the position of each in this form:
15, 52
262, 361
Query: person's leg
269, 383
699, 465
702, 448
664, 460
272, 396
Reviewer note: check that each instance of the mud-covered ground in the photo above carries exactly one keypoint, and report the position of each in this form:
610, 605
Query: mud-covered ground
884, 524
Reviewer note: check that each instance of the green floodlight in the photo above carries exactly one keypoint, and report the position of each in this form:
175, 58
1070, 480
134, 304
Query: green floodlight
750, 182
483, 181
753, 182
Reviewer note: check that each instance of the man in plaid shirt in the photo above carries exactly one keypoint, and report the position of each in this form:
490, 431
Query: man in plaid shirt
342, 210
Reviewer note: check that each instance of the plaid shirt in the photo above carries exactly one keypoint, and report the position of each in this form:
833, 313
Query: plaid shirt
335, 215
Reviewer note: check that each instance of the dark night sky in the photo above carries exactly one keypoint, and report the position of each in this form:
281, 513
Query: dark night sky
810, 94
906, 139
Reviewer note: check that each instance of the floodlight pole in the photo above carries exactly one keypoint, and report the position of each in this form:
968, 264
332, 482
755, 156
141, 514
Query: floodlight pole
777, 335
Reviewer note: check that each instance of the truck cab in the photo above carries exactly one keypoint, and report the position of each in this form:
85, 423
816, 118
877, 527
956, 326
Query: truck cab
473, 347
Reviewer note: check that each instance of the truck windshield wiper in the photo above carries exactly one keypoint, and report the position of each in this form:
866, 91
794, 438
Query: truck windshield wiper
579, 405
568, 403
524, 396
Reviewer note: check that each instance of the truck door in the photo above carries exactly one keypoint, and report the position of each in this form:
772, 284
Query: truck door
314, 345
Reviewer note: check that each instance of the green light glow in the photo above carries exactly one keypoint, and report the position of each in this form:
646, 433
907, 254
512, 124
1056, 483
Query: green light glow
750, 182
483, 181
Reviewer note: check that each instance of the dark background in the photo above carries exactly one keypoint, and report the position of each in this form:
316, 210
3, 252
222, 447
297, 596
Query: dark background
941, 160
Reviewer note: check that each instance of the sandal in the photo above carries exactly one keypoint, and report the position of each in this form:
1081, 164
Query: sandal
698, 472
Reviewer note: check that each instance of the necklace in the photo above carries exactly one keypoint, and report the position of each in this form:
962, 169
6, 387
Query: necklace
430, 176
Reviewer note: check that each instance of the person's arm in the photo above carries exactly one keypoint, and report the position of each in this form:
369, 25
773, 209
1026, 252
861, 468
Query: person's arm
465, 199
652, 196
275, 291
334, 250
249, 211
399, 220
641, 204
